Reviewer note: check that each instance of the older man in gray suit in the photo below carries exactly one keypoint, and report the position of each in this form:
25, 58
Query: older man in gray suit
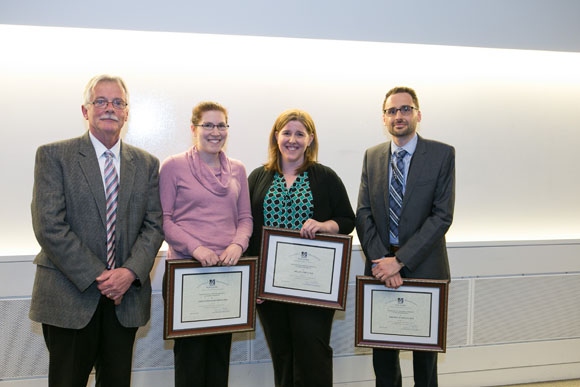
97, 216
405, 207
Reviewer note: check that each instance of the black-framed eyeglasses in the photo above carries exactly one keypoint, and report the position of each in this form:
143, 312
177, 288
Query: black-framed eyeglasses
210, 125
102, 103
405, 110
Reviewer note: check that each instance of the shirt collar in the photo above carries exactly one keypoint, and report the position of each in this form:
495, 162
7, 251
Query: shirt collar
410, 147
100, 148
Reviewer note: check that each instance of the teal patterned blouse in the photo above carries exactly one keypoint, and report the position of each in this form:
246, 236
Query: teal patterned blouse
288, 208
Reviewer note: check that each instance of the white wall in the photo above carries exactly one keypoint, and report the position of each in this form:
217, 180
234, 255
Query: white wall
512, 115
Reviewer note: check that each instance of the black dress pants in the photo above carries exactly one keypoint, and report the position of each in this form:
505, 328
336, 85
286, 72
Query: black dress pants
104, 343
299, 341
202, 360
388, 370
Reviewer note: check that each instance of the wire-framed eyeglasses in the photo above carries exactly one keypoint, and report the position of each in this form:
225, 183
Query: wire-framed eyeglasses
102, 103
405, 110
210, 126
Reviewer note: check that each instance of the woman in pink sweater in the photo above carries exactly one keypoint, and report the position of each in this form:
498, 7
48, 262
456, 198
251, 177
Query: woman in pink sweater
207, 216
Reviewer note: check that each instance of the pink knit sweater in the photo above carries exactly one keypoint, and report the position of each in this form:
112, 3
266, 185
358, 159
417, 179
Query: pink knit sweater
203, 207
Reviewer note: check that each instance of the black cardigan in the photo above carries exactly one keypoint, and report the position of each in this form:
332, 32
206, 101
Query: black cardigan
330, 200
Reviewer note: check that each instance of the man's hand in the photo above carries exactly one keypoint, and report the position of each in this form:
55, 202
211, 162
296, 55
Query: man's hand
114, 283
387, 270
394, 281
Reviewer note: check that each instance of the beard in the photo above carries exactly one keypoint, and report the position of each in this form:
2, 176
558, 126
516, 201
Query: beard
409, 130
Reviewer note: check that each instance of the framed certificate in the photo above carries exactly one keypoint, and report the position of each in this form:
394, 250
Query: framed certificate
412, 317
208, 300
304, 271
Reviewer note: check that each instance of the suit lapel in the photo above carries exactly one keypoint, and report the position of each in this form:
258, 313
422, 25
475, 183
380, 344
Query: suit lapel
127, 179
417, 164
90, 166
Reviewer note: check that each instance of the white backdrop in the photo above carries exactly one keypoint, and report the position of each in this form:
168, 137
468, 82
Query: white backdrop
513, 116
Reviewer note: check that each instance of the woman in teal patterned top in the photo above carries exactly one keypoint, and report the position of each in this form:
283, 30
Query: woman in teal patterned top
288, 207
293, 191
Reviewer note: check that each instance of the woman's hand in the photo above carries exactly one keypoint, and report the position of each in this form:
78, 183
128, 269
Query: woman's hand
311, 227
205, 256
231, 255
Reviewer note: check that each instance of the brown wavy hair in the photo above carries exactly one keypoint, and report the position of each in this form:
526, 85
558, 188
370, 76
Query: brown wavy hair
311, 153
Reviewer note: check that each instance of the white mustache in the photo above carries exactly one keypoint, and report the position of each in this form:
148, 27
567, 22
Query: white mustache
109, 117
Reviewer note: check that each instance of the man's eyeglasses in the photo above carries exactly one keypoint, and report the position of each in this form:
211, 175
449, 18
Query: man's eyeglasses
405, 110
102, 103
210, 125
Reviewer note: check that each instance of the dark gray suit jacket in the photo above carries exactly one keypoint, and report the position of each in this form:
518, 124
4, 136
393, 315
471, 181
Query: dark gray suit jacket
426, 214
68, 217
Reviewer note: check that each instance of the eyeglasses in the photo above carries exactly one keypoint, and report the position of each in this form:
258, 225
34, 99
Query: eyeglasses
102, 103
210, 125
405, 110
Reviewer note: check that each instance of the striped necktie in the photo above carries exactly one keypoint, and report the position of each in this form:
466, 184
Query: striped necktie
396, 192
111, 193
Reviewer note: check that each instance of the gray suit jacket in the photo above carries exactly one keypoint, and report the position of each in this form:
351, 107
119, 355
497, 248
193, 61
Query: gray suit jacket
68, 217
426, 214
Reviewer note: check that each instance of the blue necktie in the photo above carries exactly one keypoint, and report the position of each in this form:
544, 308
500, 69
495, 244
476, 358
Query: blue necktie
396, 191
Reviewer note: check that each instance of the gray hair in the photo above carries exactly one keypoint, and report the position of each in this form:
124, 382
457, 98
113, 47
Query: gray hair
103, 78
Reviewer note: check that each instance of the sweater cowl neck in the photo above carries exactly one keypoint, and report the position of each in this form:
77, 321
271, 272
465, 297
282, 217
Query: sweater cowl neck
206, 175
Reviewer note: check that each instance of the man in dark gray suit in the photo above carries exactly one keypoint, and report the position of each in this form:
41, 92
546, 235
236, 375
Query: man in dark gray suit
97, 216
405, 207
